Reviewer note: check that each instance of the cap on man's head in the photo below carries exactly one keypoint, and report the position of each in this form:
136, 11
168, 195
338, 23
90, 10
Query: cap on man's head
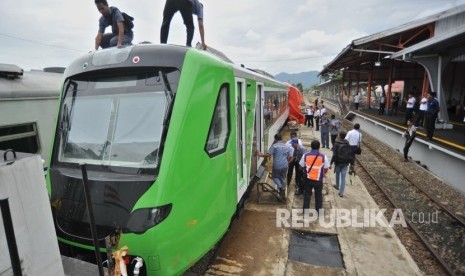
294, 140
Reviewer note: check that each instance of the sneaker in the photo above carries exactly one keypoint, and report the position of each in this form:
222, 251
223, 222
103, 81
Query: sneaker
336, 187
341, 195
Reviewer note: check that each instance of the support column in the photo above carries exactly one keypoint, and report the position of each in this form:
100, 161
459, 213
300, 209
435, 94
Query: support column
388, 96
368, 104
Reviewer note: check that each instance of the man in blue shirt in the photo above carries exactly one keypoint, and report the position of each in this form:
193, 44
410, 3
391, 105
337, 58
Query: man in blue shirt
119, 35
186, 8
432, 110
282, 155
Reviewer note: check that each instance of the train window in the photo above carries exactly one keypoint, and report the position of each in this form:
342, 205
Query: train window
21, 138
219, 128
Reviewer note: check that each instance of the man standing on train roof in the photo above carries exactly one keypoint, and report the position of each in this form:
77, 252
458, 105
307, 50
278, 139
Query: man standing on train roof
187, 8
120, 34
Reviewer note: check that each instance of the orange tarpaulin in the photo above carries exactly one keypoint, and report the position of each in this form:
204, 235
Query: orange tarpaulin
295, 100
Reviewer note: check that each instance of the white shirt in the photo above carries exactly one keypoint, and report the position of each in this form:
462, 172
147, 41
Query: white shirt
323, 111
354, 137
317, 113
424, 104
411, 102
309, 111
410, 131
357, 98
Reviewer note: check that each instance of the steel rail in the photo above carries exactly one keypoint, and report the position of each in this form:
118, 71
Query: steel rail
417, 232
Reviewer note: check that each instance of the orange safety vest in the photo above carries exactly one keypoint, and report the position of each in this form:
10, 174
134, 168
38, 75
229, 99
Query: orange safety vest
316, 172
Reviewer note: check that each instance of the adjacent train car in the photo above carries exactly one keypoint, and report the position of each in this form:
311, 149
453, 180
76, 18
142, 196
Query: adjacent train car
168, 135
28, 109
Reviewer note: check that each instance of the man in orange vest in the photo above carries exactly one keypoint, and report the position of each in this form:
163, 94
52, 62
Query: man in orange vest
315, 165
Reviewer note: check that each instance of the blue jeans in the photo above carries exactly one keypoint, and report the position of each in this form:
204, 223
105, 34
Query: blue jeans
110, 40
324, 139
279, 177
341, 171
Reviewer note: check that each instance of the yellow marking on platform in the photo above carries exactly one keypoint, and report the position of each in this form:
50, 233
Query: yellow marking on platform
420, 133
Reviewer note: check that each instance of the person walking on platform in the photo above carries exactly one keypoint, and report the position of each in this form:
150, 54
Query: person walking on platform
314, 166
282, 155
342, 156
432, 111
317, 118
357, 101
422, 112
187, 8
334, 129
382, 104
121, 32
324, 130
409, 108
354, 137
309, 116
297, 152
409, 135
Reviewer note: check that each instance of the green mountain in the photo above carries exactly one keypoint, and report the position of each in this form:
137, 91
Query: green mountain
308, 79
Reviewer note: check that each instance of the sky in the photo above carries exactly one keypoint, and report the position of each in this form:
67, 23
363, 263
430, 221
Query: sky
275, 36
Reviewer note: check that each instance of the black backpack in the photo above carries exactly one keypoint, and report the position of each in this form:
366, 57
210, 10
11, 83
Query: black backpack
343, 152
128, 20
128, 24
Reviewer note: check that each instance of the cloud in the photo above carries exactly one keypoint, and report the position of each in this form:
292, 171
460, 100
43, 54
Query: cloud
276, 36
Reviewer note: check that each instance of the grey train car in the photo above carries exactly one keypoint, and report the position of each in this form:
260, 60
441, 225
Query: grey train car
28, 107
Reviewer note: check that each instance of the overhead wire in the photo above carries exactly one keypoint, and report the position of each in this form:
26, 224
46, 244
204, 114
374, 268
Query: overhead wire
42, 43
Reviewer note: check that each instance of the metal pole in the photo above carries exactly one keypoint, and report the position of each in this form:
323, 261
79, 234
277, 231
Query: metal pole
10, 237
90, 210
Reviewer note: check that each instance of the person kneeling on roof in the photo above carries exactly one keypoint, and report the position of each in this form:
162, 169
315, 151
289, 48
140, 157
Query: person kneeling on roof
120, 26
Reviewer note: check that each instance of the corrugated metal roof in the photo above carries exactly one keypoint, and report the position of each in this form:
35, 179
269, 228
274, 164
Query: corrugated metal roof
410, 25
455, 36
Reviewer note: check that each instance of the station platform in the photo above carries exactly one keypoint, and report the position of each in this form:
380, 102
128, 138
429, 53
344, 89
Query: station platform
258, 244
452, 139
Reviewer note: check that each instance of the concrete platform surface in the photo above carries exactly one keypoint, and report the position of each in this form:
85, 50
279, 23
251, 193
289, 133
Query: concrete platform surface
256, 246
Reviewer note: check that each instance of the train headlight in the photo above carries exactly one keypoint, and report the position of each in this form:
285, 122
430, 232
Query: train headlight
143, 219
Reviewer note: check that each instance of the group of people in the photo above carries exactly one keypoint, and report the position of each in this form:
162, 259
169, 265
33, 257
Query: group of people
121, 24
328, 125
310, 167
426, 115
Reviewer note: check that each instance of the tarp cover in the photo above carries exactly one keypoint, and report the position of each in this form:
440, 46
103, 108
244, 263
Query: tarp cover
295, 100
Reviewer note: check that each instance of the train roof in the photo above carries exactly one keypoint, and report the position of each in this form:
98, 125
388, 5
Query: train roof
18, 84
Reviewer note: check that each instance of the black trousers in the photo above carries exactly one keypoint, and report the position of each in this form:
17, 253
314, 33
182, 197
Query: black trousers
294, 165
309, 120
420, 118
185, 8
407, 145
317, 122
430, 125
381, 108
309, 185
408, 114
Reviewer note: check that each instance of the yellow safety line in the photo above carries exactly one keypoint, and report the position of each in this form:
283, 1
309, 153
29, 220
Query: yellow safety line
422, 134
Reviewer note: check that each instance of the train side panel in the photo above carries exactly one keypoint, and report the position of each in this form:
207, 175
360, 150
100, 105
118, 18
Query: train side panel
200, 188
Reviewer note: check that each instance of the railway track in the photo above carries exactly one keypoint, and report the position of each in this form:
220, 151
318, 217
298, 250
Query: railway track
438, 228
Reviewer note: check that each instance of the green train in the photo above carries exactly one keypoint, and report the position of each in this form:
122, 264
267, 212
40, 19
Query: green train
167, 134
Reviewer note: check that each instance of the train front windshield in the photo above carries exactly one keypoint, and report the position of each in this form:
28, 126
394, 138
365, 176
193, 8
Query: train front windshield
113, 121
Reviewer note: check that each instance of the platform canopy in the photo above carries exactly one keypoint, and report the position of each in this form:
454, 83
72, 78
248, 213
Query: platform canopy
377, 52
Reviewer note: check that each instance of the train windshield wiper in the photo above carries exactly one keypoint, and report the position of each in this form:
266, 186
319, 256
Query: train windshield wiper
166, 86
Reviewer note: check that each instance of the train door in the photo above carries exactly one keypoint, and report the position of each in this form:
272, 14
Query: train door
241, 160
257, 144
